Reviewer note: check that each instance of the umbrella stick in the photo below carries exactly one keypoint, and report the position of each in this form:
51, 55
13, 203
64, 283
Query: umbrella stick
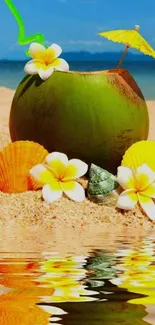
123, 56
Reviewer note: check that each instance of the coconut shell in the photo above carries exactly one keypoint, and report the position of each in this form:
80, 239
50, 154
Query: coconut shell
93, 116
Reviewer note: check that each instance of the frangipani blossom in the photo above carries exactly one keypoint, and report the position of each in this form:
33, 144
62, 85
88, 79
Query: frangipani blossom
45, 60
58, 176
139, 187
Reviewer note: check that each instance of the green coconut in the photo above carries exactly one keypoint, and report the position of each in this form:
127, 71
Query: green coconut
93, 116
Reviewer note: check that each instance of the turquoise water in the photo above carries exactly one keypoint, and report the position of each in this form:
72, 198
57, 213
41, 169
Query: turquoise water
11, 73
111, 285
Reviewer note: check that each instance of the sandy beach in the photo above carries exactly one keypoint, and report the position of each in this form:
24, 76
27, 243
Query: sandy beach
26, 222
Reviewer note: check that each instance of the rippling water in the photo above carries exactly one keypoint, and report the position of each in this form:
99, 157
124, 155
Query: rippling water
108, 286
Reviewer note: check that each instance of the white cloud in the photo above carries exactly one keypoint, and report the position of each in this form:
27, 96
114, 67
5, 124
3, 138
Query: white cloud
88, 45
77, 42
83, 42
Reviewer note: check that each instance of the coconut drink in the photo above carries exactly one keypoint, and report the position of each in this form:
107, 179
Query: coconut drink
93, 116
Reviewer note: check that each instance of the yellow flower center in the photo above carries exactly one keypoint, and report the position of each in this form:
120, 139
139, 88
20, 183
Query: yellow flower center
49, 56
141, 183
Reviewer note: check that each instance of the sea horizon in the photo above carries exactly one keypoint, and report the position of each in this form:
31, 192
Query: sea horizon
142, 69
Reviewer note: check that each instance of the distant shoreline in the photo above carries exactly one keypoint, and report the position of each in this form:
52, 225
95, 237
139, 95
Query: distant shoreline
12, 71
85, 56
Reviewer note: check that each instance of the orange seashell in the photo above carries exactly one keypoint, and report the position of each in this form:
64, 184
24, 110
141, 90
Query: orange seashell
16, 159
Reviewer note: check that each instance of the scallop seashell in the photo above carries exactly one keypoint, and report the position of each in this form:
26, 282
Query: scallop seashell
102, 186
141, 152
16, 159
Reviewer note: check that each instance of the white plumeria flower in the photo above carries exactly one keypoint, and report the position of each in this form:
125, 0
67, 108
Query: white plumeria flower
58, 176
139, 187
45, 60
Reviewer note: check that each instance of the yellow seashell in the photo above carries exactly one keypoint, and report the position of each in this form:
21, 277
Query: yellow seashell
16, 159
141, 152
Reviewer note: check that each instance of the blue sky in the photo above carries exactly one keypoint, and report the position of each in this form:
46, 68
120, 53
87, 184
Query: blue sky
74, 24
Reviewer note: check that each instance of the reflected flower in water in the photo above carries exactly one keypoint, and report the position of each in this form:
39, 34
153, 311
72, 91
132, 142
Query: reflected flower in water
137, 273
66, 277
135, 258
68, 290
64, 267
73, 262
54, 280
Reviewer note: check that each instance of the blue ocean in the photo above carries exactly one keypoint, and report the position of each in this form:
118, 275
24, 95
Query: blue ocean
11, 72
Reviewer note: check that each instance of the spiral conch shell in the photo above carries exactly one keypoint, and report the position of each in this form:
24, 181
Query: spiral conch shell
103, 187
16, 159
141, 152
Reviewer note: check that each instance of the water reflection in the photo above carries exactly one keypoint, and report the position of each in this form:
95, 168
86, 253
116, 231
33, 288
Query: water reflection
20, 292
66, 277
103, 287
108, 313
137, 272
100, 267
